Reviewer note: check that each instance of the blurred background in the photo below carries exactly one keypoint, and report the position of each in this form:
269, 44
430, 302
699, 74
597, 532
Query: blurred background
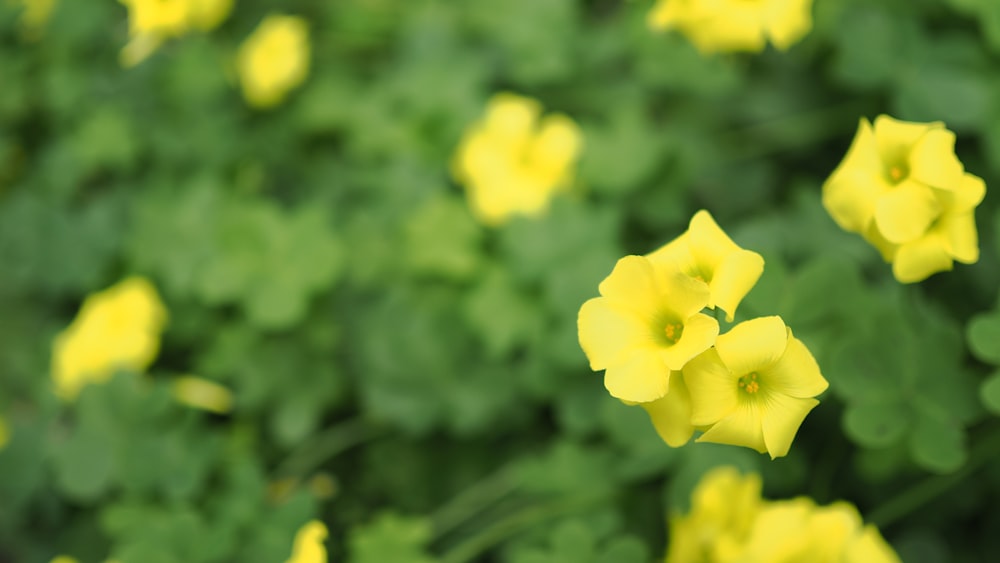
412, 377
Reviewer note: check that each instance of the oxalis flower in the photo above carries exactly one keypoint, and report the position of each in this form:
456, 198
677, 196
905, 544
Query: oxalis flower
308, 546
903, 189
513, 161
755, 387
151, 22
274, 60
735, 25
706, 253
118, 328
645, 325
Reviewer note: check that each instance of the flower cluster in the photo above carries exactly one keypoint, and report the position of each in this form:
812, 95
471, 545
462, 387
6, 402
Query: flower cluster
903, 189
116, 329
751, 386
512, 161
274, 60
151, 22
730, 522
735, 25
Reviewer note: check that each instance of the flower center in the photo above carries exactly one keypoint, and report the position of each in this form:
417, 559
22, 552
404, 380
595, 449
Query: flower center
749, 383
673, 332
898, 172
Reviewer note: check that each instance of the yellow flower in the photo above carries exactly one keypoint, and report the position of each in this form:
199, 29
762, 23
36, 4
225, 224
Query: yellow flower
308, 547
724, 506
35, 16
151, 22
729, 522
118, 328
202, 394
735, 25
755, 387
643, 327
798, 530
512, 162
903, 189
4, 433
706, 253
274, 60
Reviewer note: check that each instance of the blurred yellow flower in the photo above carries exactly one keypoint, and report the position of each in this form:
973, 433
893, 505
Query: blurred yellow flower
64, 559
4, 433
274, 60
644, 326
729, 522
735, 25
903, 189
118, 328
151, 22
706, 253
512, 161
308, 547
724, 506
755, 387
202, 394
35, 16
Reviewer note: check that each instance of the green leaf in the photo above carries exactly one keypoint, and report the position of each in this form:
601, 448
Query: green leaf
390, 537
876, 424
989, 393
983, 335
938, 443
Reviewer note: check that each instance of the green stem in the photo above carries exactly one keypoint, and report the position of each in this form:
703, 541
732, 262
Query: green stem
925, 491
473, 500
326, 445
509, 526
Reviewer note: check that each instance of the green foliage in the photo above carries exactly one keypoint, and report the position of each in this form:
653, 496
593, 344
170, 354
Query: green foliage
413, 378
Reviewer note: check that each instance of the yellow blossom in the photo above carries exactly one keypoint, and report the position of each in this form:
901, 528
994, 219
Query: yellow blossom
308, 546
274, 60
735, 25
706, 253
151, 22
644, 326
4, 433
724, 506
755, 387
729, 522
118, 328
35, 15
64, 559
202, 394
902, 188
512, 161
671, 414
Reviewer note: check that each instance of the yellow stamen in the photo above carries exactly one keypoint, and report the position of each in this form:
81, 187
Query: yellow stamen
673, 332
749, 383
896, 173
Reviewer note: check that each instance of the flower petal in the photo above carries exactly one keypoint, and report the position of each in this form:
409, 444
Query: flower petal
917, 260
851, 192
933, 160
674, 255
710, 245
796, 374
632, 284
642, 378
966, 196
961, 237
875, 238
752, 345
788, 21
741, 428
671, 415
733, 279
684, 296
609, 334
713, 388
896, 138
781, 418
905, 212
700, 332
